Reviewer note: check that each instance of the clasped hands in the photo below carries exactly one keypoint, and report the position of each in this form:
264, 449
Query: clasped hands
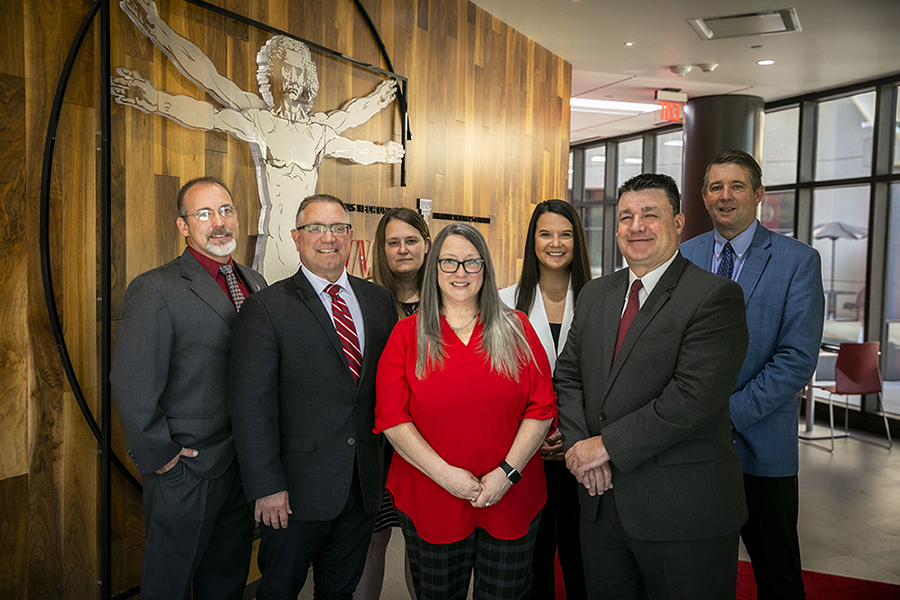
588, 461
480, 493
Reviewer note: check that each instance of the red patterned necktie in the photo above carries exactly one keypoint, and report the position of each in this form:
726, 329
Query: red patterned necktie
237, 296
343, 323
631, 311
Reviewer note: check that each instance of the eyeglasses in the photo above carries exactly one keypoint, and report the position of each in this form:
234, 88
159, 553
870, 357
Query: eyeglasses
450, 265
205, 214
320, 229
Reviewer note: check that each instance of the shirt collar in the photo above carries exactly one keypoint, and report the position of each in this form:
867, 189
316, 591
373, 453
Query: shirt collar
741, 242
649, 280
319, 284
212, 266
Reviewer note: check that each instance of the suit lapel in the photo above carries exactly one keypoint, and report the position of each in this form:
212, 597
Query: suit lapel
758, 256
314, 303
248, 275
612, 314
645, 316
206, 288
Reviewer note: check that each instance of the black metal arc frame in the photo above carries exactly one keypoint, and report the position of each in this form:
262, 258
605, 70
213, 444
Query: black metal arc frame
102, 435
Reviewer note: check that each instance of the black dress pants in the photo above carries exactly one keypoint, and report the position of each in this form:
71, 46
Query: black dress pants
559, 530
770, 536
199, 536
336, 550
621, 567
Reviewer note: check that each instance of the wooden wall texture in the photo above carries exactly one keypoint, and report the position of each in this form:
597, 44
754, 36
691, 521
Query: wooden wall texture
489, 116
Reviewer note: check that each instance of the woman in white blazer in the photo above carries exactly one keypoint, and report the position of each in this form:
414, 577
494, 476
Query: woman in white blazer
554, 269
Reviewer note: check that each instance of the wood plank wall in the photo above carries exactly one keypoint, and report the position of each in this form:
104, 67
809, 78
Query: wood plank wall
489, 116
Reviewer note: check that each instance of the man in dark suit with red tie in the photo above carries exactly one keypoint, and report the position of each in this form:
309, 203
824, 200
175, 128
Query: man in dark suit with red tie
169, 377
302, 400
643, 385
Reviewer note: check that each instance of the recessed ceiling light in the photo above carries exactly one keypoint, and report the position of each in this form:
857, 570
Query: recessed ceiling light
633, 161
629, 44
678, 143
765, 63
598, 159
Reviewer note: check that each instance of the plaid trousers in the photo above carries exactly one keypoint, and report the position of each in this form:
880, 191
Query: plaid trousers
502, 568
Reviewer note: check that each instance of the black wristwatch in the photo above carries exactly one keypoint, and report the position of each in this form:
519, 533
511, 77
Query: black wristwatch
511, 474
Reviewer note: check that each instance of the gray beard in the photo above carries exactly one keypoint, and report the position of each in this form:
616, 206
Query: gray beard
219, 249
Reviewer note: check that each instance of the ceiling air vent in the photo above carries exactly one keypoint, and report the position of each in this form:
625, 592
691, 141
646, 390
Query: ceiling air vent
760, 23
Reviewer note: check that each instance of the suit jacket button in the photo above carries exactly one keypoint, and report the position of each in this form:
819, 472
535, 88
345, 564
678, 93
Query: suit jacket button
602, 416
351, 441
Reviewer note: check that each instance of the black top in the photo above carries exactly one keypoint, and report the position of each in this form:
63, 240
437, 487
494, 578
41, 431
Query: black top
411, 308
555, 329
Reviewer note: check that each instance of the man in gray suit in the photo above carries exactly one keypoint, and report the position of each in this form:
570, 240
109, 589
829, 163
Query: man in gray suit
302, 400
169, 380
643, 384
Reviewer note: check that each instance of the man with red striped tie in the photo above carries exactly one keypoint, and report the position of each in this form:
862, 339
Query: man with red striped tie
302, 398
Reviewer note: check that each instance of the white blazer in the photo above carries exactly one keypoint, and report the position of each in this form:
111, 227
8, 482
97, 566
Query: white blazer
538, 318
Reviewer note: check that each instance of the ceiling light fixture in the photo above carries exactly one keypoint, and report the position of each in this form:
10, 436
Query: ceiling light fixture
632, 161
629, 44
765, 63
681, 70
611, 107
598, 159
676, 143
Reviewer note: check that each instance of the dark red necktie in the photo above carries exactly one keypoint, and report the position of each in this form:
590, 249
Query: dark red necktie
343, 323
631, 311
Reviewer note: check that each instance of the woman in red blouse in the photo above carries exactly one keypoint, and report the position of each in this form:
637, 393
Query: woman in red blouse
465, 396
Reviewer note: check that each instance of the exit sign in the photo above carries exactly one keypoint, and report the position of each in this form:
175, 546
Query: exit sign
670, 111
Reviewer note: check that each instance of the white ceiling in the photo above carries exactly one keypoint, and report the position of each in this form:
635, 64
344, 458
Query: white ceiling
841, 42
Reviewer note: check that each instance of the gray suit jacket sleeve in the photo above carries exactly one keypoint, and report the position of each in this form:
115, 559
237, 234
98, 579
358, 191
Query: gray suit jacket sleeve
140, 373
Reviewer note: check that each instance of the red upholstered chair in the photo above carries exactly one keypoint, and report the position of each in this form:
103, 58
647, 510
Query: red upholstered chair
855, 372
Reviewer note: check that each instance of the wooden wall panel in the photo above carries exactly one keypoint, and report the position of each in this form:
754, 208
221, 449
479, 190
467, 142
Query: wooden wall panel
13, 333
489, 116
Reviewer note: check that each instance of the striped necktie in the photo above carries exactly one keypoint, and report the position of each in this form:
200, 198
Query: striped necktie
343, 323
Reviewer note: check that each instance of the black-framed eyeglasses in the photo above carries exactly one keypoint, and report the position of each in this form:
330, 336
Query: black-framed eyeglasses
320, 228
205, 214
451, 265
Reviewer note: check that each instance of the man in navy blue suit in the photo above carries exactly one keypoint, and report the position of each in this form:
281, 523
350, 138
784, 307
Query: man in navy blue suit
782, 282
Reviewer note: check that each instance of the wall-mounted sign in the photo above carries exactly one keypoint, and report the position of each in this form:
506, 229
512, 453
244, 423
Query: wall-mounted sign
288, 139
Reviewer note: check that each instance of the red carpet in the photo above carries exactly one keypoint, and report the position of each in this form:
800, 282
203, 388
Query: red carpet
819, 586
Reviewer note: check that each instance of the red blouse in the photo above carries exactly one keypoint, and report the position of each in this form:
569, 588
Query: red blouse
470, 415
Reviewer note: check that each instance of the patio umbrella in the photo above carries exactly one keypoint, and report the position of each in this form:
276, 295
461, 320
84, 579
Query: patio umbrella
835, 230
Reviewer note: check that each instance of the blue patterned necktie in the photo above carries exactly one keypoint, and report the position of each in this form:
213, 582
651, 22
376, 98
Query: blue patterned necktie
237, 296
726, 262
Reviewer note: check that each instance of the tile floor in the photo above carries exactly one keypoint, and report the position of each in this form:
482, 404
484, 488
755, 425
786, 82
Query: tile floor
849, 513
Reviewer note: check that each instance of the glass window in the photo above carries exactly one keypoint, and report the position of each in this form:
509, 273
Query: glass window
669, 155
891, 349
594, 173
630, 161
776, 211
593, 229
896, 167
781, 133
841, 217
844, 137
